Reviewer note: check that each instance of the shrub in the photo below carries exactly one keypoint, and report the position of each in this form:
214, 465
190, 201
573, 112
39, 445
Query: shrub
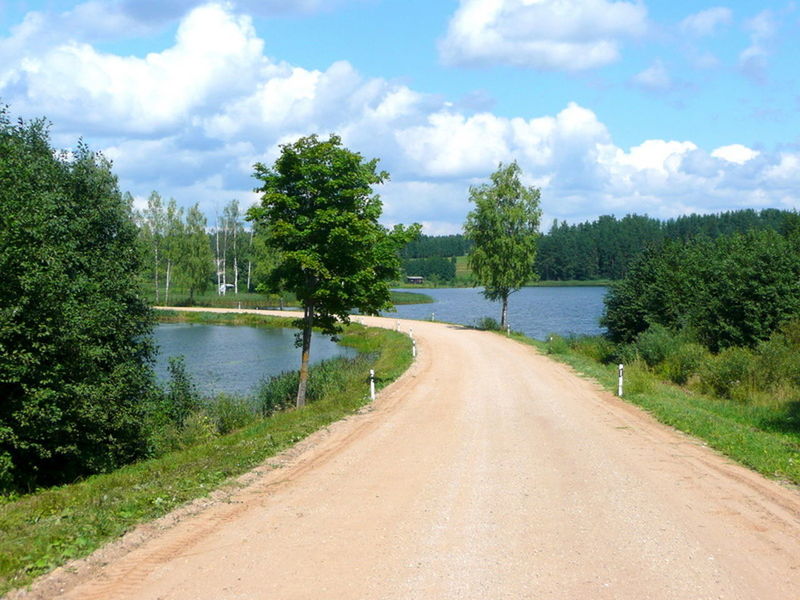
684, 362
487, 324
596, 347
181, 398
656, 344
730, 370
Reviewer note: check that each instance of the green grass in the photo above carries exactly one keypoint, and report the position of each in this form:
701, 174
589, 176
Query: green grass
410, 298
43, 530
764, 438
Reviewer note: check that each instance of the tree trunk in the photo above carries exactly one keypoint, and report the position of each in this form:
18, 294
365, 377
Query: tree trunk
216, 237
156, 271
249, 271
235, 262
504, 312
308, 322
166, 283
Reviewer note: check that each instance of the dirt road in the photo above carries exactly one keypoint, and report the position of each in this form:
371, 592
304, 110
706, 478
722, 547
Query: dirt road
487, 471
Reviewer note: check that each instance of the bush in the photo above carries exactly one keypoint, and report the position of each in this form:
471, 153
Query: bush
597, 348
684, 362
181, 398
655, 344
487, 324
729, 371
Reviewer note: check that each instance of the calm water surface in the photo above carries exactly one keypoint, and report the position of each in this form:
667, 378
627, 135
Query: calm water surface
535, 311
234, 359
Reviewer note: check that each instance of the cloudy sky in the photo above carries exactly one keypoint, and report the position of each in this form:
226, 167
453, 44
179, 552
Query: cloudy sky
611, 107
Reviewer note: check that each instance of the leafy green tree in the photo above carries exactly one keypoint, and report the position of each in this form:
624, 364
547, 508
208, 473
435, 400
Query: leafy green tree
75, 344
735, 290
504, 226
319, 212
196, 258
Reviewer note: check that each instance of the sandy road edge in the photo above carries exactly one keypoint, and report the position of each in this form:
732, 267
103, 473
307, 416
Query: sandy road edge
273, 471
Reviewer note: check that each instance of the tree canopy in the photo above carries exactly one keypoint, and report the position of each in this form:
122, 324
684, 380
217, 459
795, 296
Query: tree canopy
504, 228
735, 290
319, 214
75, 344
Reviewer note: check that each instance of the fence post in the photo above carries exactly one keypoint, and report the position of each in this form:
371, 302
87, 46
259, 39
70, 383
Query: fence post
619, 385
372, 384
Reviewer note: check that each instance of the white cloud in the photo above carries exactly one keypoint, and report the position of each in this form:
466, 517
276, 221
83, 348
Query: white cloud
566, 35
735, 153
191, 120
706, 21
215, 54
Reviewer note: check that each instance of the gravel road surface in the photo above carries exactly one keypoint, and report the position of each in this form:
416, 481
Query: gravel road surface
487, 471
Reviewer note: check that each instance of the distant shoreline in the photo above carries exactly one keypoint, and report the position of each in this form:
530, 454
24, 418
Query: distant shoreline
548, 283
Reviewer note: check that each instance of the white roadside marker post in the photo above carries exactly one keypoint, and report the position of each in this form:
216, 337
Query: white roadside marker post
413, 343
619, 386
372, 384
433, 316
397, 326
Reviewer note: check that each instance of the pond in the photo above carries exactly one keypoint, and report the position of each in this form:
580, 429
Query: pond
234, 359
535, 311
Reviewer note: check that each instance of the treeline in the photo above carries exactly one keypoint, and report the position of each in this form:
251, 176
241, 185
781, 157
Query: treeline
437, 269
604, 249
429, 246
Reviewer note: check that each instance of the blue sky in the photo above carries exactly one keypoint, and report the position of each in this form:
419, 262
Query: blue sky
611, 107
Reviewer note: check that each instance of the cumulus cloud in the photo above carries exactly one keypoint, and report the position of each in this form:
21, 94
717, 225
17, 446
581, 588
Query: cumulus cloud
707, 21
568, 35
191, 120
215, 54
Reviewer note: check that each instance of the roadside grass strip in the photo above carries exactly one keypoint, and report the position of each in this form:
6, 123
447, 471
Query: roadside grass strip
45, 529
762, 438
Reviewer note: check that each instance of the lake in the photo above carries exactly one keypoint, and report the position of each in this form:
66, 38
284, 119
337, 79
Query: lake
234, 359
535, 311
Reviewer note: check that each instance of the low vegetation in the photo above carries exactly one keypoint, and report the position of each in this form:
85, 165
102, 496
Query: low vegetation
200, 445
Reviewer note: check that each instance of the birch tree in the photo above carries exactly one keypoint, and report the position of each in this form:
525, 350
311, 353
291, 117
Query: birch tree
504, 226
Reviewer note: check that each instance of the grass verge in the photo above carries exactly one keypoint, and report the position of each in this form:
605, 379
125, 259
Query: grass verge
755, 436
43, 530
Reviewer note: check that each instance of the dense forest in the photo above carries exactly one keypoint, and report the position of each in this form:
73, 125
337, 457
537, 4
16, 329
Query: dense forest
599, 249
